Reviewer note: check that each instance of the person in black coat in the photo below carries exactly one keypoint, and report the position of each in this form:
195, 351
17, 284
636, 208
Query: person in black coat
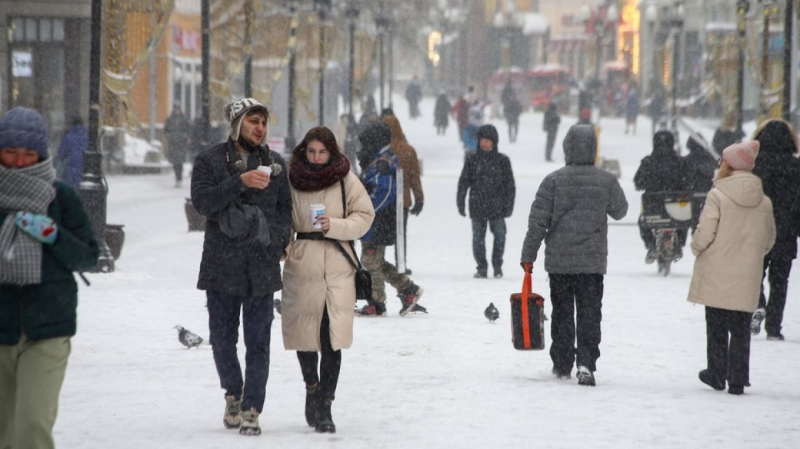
551, 122
178, 131
441, 113
249, 215
661, 171
488, 177
699, 167
512, 108
779, 170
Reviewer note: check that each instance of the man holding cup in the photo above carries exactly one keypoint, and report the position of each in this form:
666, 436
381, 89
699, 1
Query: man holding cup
242, 189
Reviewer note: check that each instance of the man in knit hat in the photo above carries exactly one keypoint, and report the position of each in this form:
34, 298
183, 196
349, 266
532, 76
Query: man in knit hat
45, 236
241, 187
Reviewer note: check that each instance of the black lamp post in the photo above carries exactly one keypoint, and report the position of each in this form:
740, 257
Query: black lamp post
788, 24
676, 23
351, 12
205, 107
92, 189
291, 5
323, 7
382, 22
742, 6
248, 64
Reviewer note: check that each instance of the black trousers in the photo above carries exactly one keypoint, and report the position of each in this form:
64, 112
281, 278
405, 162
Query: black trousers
223, 324
551, 141
513, 129
728, 360
779, 270
178, 169
571, 293
328, 377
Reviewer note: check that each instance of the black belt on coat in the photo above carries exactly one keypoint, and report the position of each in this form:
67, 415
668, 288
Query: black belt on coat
311, 236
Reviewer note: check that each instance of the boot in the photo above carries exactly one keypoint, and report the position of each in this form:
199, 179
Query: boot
312, 404
232, 418
324, 420
250, 425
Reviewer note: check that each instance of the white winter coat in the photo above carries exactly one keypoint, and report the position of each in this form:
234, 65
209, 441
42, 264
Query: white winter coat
316, 273
736, 231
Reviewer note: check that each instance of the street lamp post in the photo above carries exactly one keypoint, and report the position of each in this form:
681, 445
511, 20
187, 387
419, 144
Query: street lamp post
788, 25
382, 24
290, 140
676, 23
650, 16
742, 6
352, 17
322, 7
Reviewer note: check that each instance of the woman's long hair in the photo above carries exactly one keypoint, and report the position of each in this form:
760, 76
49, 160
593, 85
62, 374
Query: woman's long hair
725, 170
322, 134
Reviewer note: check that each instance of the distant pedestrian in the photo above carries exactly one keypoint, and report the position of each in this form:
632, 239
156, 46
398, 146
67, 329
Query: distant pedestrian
736, 231
248, 223
413, 95
631, 111
779, 170
178, 131
551, 122
512, 108
727, 134
45, 237
440, 113
489, 180
70, 153
656, 108
570, 214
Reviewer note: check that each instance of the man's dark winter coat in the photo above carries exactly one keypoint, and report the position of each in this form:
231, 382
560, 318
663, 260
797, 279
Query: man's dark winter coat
699, 167
662, 170
779, 171
240, 266
551, 119
488, 177
571, 210
441, 111
49, 309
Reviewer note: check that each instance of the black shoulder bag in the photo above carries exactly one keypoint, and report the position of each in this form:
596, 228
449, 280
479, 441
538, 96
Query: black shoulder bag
363, 276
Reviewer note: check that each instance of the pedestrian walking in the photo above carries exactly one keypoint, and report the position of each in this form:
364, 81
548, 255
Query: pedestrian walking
512, 108
550, 126
441, 113
413, 95
45, 237
779, 170
489, 180
248, 222
318, 280
70, 153
736, 231
178, 131
631, 110
379, 176
570, 214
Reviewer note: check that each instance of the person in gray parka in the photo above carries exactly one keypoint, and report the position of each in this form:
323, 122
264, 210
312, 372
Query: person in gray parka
570, 214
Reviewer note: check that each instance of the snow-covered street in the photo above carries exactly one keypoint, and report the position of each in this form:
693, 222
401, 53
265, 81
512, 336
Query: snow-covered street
449, 379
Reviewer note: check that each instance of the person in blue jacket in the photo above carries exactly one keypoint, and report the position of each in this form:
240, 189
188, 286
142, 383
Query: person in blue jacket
45, 236
70, 153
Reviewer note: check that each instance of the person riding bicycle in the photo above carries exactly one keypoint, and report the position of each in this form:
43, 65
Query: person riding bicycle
661, 171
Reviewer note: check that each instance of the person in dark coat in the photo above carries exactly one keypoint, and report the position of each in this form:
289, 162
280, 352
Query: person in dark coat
441, 113
178, 131
413, 95
45, 237
460, 111
512, 108
661, 171
248, 223
631, 110
727, 134
379, 175
699, 167
570, 214
551, 122
779, 170
70, 153
488, 178
657, 107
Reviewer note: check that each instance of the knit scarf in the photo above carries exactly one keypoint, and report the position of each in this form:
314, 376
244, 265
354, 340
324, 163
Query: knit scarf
23, 189
304, 179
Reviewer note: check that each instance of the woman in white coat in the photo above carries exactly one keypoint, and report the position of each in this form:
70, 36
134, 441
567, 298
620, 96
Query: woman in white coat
318, 281
735, 232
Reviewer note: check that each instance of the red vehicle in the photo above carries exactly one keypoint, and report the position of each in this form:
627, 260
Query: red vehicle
548, 83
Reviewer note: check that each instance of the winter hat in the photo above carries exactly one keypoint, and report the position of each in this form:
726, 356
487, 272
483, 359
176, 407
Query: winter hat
663, 139
741, 156
375, 136
488, 132
777, 137
22, 127
237, 110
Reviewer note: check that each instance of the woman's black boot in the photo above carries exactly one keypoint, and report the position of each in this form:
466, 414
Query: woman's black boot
324, 420
312, 404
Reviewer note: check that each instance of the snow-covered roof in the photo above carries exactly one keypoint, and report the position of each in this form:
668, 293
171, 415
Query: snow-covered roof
535, 23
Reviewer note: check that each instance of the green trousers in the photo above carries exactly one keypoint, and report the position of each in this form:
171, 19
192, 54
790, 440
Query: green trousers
372, 257
31, 375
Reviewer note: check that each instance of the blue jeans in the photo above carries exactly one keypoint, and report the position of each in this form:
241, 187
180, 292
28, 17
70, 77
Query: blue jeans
498, 228
223, 325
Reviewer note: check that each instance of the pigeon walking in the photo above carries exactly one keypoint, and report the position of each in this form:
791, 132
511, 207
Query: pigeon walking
277, 303
491, 312
189, 339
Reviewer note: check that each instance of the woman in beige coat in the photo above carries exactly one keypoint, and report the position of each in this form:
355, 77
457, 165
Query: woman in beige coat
736, 230
318, 281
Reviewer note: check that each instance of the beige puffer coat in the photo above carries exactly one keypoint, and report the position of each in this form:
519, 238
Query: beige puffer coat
317, 274
736, 231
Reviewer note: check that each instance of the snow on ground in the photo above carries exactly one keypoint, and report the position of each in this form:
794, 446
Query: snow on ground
447, 379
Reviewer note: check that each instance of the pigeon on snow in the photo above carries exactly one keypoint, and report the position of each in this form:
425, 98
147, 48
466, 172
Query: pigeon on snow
491, 312
277, 303
189, 339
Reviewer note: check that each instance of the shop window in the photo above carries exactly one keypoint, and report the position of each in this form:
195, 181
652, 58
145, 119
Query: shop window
30, 30
16, 32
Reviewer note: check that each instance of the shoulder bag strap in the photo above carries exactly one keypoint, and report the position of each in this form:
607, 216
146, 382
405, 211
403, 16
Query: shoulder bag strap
357, 263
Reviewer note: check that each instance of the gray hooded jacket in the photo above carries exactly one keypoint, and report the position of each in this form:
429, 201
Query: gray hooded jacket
570, 210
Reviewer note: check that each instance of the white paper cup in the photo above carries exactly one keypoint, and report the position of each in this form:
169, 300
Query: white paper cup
266, 169
314, 211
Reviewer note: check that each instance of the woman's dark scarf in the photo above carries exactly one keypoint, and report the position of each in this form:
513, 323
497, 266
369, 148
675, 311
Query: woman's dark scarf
307, 177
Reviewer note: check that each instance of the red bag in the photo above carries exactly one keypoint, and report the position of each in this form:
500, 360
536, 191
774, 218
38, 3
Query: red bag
527, 318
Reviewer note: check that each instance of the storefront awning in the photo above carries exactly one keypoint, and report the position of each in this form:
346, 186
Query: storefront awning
566, 44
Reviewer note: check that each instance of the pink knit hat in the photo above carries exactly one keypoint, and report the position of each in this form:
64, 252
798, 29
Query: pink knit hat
741, 156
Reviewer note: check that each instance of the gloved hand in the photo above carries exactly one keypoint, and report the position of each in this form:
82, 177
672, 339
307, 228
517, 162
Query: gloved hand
416, 209
462, 212
527, 266
40, 227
